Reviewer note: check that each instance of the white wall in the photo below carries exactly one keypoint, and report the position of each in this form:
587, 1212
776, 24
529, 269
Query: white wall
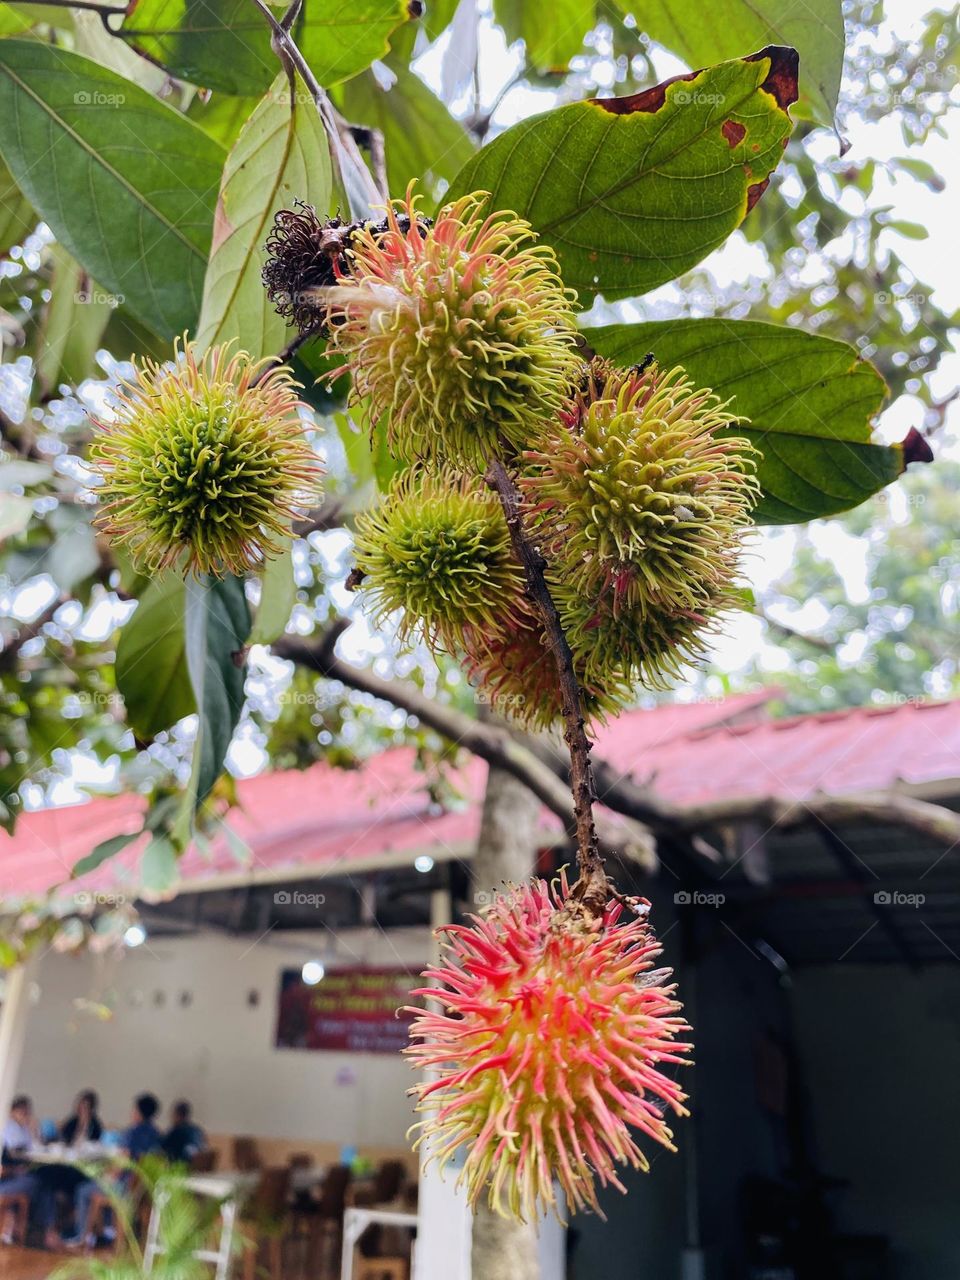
218, 1051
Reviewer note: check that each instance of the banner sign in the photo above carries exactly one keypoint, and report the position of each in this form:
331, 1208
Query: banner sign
351, 1010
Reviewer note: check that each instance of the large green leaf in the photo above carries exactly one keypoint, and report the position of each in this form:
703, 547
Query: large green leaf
217, 630
278, 595
552, 39
72, 325
281, 155
421, 137
151, 665
17, 218
631, 192
126, 184
810, 401
226, 45
704, 33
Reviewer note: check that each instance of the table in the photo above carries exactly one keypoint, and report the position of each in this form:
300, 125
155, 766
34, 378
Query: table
57, 1153
355, 1223
229, 1187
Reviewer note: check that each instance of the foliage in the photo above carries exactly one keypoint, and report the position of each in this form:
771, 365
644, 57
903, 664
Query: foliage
890, 638
156, 194
185, 1220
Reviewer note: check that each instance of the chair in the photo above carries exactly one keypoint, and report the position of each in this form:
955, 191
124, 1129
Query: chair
319, 1221
381, 1269
246, 1156
203, 1161
386, 1185
265, 1222
17, 1205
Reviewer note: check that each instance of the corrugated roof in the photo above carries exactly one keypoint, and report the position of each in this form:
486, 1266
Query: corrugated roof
324, 817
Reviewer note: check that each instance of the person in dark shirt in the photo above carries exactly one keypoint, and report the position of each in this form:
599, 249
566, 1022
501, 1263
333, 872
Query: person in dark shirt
184, 1138
143, 1136
140, 1139
84, 1124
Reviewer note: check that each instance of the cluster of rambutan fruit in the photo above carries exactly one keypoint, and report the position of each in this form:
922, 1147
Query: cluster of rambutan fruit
461, 342
635, 490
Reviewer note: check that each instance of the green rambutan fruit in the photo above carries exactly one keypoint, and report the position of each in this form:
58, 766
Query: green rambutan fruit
514, 672
639, 498
437, 548
205, 462
462, 336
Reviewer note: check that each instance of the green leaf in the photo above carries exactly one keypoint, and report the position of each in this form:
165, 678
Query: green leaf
126, 184
631, 192
278, 595
12, 22
551, 41
151, 666
103, 852
421, 137
281, 155
221, 115
72, 326
158, 867
217, 631
704, 33
17, 218
226, 46
810, 402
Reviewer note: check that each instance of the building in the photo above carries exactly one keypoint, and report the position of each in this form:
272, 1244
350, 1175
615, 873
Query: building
817, 951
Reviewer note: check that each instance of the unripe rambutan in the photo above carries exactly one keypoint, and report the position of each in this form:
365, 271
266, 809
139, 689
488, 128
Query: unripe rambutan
462, 338
640, 498
202, 467
437, 548
548, 1051
514, 672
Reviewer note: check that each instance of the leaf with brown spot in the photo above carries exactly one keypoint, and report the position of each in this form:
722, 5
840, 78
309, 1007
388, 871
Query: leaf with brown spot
631, 192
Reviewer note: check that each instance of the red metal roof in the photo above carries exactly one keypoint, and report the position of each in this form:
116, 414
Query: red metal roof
689, 753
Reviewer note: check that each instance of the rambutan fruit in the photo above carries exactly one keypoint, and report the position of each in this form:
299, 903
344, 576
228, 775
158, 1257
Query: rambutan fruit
547, 1051
461, 338
204, 463
437, 549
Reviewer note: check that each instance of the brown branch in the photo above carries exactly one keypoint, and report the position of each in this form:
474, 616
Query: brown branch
29, 631
492, 743
359, 187
372, 140
592, 888
533, 762
104, 11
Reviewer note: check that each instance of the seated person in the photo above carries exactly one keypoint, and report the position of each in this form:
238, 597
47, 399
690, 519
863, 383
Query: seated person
139, 1140
16, 1177
83, 1124
184, 1139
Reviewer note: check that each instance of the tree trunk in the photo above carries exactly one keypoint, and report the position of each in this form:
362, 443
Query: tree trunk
502, 1249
